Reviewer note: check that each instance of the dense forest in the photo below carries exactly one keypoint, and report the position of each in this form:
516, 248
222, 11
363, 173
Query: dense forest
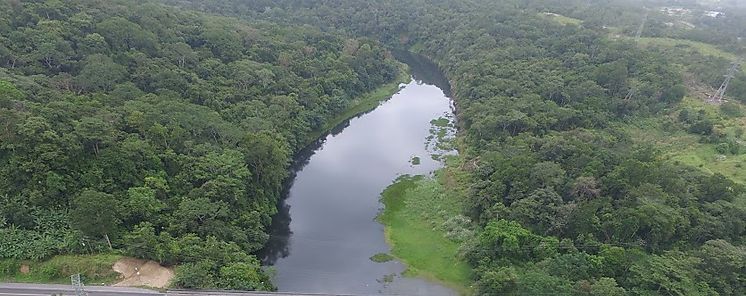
160, 133
563, 200
110, 106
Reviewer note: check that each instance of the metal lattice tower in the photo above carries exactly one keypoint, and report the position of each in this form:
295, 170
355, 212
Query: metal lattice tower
77, 285
630, 94
719, 95
642, 26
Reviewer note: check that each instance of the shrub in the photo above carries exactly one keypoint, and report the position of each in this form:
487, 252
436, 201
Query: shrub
731, 109
9, 268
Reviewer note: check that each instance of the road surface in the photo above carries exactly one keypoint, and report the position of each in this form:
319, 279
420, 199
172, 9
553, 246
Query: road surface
67, 290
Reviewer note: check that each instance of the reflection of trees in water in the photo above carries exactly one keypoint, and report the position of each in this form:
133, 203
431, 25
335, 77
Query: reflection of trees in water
423, 70
277, 245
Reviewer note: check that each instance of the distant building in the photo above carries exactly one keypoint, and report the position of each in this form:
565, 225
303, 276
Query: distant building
675, 11
713, 13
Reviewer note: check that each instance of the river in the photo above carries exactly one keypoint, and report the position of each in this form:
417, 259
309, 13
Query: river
326, 231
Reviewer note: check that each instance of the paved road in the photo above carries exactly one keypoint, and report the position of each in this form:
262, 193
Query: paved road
66, 290
47, 290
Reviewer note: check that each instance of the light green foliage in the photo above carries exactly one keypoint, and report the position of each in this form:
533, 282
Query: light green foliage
142, 203
602, 287
440, 122
93, 268
415, 215
8, 94
724, 265
671, 273
697, 134
700, 47
561, 18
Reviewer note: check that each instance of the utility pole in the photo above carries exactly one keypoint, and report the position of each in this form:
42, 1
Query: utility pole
78, 285
719, 95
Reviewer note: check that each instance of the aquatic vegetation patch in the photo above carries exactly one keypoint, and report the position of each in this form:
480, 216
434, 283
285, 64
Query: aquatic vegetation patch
422, 231
381, 258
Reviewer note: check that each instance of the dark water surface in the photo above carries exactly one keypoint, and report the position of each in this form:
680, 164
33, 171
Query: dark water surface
326, 231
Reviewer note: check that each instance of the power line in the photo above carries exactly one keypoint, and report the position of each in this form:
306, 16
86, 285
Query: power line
719, 95
642, 26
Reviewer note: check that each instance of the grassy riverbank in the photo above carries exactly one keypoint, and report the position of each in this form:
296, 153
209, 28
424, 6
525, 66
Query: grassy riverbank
424, 226
96, 269
364, 103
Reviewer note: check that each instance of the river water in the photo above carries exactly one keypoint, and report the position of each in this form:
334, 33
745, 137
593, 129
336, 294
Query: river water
326, 231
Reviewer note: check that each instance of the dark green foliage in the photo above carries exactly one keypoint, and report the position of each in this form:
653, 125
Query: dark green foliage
541, 105
731, 109
193, 120
94, 213
165, 131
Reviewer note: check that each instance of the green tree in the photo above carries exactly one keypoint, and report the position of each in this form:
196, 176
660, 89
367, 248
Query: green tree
672, 273
124, 35
100, 73
95, 213
602, 287
244, 276
724, 266
142, 242
8, 94
197, 275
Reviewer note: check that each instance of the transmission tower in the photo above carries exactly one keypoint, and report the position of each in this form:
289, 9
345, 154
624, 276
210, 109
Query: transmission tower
642, 26
78, 285
630, 94
719, 95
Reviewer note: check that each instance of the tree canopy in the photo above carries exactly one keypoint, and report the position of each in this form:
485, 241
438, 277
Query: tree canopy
183, 122
165, 133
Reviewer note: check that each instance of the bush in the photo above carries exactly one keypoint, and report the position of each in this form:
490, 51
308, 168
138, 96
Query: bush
9, 268
702, 127
243, 276
49, 272
195, 275
731, 109
722, 148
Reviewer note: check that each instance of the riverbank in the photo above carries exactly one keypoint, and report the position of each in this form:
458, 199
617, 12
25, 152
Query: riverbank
364, 103
424, 227
97, 268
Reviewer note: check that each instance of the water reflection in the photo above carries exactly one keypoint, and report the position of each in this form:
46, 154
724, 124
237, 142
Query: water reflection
325, 232
424, 70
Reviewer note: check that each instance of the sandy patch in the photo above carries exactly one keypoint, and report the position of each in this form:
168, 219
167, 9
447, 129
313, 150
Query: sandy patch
142, 273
